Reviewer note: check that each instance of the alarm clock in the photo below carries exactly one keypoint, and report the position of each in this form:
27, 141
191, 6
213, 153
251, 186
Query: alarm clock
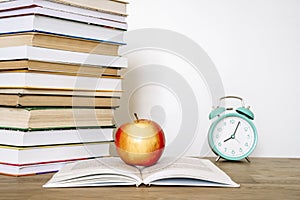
232, 135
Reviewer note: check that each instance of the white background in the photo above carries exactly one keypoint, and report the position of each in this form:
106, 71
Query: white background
255, 45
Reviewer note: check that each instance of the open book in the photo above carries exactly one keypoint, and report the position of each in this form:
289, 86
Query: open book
111, 171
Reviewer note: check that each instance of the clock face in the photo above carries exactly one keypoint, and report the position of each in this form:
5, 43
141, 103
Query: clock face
232, 136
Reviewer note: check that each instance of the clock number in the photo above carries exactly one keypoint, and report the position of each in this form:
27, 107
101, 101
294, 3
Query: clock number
232, 152
241, 150
246, 129
219, 129
219, 144
232, 121
225, 149
217, 136
246, 144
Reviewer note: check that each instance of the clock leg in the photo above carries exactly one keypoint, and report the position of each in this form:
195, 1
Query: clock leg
248, 159
218, 158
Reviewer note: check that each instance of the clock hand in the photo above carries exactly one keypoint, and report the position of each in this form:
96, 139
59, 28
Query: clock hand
233, 135
227, 139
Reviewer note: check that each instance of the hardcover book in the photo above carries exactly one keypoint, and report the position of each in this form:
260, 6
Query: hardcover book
52, 41
60, 136
33, 169
29, 155
110, 6
25, 78
63, 92
116, 7
63, 15
60, 56
58, 101
44, 24
37, 118
71, 69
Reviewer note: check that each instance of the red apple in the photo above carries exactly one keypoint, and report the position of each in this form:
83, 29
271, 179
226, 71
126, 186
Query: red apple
141, 142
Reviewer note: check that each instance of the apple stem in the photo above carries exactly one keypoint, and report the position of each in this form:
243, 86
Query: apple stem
136, 116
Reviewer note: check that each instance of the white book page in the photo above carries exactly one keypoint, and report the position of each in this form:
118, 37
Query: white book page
96, 172
186, 171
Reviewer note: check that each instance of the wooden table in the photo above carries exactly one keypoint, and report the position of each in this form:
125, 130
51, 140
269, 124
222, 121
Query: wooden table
263, 178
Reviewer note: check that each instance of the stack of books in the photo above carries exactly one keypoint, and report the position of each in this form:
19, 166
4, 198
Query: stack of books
60, 81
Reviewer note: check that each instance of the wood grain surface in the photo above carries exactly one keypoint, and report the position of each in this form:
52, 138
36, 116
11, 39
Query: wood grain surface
263, 178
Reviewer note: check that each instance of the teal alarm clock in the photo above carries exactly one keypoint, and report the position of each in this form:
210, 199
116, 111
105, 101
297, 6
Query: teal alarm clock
232, 135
